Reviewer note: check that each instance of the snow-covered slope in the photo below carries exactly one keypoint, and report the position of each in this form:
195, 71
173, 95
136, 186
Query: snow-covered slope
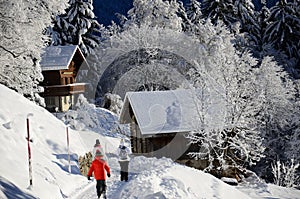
149, 177
49, 148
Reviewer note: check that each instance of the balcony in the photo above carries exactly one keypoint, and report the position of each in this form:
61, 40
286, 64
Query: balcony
64, 90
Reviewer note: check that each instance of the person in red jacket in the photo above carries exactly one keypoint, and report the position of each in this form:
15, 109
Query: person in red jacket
99, 166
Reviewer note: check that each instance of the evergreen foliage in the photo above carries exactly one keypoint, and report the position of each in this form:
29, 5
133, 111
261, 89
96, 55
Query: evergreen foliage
283, 27
78, 26
217, 11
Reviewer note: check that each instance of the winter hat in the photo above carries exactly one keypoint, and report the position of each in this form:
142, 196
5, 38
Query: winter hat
97, 142
98, 153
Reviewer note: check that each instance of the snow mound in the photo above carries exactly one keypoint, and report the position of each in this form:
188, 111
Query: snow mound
162, 178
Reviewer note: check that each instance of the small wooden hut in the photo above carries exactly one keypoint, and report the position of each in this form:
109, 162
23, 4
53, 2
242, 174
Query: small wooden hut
60, 65
159, 122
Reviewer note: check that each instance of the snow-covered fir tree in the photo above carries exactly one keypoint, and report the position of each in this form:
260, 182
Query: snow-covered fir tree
78, 26
283, 29
244, 12
277, 97
293, 149
238, 15
193, 11
21, 30
219, 10
258, 46
194, 14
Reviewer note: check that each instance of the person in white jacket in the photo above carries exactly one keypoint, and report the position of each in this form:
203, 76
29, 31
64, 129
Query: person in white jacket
123, 153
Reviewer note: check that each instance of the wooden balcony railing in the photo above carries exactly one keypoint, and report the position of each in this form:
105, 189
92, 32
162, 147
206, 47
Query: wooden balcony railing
63, 90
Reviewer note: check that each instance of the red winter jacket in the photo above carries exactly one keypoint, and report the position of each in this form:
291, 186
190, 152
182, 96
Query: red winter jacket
98, 166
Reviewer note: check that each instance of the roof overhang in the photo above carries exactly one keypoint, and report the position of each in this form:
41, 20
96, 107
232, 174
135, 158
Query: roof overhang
59, 57
160, 112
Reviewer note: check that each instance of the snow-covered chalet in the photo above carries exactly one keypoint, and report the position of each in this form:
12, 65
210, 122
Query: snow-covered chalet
159, 121
60, 66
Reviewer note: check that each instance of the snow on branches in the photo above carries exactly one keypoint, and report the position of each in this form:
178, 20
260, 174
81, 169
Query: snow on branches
21, 30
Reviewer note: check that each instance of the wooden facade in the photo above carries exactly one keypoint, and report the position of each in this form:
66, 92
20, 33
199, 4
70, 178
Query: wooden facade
60, 66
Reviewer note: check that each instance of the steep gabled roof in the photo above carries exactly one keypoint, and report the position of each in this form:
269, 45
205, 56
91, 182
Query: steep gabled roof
159, 112
59, 57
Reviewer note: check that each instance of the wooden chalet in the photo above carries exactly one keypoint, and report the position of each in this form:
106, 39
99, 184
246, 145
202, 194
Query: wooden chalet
159, 122
60, 65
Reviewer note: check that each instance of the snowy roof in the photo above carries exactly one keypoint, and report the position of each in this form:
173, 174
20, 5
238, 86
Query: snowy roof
58, 57
160, 111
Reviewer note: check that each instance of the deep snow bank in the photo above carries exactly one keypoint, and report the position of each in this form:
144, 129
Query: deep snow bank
162, 178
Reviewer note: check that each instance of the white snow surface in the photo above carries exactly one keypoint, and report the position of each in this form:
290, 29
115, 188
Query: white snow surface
149, 177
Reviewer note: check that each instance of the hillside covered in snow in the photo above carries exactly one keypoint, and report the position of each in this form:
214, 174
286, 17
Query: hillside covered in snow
149, 177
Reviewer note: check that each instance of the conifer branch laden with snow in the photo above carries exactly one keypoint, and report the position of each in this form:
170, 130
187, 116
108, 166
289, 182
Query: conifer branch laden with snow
78, 26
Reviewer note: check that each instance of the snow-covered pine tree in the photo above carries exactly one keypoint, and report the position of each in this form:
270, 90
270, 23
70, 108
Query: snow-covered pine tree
256, 34
21, 30
112, 102
219, 10
78, 26
238, 15
184, 17
194, 14
244, 12
193, 11
277, 97
283, 29
246, 24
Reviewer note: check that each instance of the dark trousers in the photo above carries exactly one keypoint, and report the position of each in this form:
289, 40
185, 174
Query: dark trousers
124, 170
101, 188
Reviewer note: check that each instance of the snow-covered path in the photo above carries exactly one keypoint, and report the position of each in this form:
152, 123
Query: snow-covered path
158, 178
114, 187
161, 178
